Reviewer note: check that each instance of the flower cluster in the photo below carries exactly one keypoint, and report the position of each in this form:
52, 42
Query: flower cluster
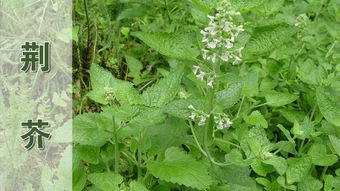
220, 35
203, 75
197, 114
222, 121
109, 95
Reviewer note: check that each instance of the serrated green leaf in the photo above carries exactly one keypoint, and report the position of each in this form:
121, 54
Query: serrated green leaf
170, 44
298, 169
266, 38
134, 65
180, 168
79, 175
329, 104
319, 156
179, 108
245, 5
123, 91
164, 91
137, 186
89, 154
303, 130
277, 99
133, 12
230, 96
106, 181
278, 163
257, 119
286, 133
310, 184
87, 130
335, 143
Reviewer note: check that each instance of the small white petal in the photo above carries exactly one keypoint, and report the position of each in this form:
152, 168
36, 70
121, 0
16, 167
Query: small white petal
191, 106
210, 84
192, 116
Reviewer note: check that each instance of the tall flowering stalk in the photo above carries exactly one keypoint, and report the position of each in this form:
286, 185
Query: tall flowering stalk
220, 35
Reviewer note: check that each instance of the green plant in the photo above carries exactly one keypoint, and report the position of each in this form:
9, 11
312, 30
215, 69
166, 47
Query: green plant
245, 98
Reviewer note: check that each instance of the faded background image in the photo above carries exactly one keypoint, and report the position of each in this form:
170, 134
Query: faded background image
32, 96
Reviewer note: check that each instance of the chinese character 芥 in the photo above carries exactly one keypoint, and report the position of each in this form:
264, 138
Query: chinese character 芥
34, 54
35, 132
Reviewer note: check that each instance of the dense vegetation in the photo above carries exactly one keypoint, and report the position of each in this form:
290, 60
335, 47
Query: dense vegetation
206, 95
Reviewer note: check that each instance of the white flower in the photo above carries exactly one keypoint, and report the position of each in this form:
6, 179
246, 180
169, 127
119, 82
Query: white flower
213, 58
210, 84
228, 123
202, 121
229, 45
211, 17
212, 44
225, 58
220, 125
191, 106
195, 70
192, 116
201, 75
203, 32
237, 60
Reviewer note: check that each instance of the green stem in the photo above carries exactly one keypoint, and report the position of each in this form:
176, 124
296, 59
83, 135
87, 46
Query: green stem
117, 153
139, 171
196, 140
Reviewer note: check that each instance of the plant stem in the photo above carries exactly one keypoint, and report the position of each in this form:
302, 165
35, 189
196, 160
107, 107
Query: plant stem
117, 154
139, 171
195, 138
88, 26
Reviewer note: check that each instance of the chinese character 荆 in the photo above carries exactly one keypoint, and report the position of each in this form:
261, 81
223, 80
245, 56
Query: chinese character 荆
34, 54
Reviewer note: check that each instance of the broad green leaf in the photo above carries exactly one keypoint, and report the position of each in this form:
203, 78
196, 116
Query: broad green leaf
250, 84
310, 184
133, 12
270, 6
298, 169
303, 130
89, 154
245, 5
277, 99
335, 143
278, 163
230, 96
205, 6
234, 174
137, 186
164, 91
102, 81
147, 117
87, 130
266, 38
173, 45
79, 175
171, 133
286, 133
257, 119
257, 140
180, 168
107, 181
261, 168
319, 156
179, 108
134, 65
329, 104
292, 115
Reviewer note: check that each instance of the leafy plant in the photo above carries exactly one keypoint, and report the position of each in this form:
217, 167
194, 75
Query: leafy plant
211, 95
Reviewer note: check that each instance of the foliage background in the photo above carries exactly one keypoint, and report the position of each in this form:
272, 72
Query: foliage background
133, 84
